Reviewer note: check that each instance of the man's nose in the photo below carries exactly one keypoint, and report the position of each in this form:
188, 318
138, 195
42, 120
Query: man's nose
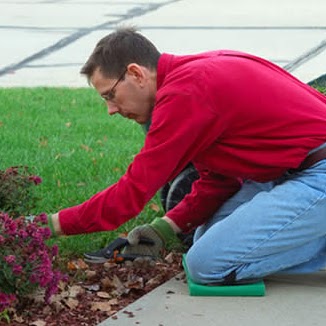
112, 109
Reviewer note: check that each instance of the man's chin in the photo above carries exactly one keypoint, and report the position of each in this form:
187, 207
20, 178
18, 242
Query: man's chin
140, 120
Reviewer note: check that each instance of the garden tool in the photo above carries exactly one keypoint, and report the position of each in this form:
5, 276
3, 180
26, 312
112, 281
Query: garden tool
113, 252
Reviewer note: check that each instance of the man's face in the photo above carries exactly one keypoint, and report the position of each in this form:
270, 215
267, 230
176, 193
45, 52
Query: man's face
132, 94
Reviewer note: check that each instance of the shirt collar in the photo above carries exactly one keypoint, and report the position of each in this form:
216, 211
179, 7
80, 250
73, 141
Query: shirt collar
163, 68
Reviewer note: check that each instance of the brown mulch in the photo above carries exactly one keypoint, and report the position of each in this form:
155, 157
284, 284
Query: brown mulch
94, 293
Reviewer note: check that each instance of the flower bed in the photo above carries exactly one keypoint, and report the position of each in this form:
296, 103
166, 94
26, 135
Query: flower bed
94, 293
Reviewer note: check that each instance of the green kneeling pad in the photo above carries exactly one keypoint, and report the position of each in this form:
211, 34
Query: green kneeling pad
195, 289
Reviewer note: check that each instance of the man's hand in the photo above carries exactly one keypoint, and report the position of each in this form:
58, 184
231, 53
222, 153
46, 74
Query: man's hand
159, 231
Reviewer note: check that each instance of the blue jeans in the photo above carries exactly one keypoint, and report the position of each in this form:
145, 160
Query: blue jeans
265, 228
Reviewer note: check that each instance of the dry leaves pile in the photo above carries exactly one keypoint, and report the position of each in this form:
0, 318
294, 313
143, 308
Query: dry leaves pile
104, 290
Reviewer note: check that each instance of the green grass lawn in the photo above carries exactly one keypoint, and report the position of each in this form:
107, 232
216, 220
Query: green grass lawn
66, 136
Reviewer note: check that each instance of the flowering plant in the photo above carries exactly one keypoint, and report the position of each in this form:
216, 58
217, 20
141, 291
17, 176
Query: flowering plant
26, 262
16, 194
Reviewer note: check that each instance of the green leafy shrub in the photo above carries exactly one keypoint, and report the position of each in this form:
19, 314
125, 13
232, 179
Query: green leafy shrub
16, 191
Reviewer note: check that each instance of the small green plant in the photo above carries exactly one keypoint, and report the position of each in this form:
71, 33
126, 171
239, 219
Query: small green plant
5, 301
26, 262
16, 191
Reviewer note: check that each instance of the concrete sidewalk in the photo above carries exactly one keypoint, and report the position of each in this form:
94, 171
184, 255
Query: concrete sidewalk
45, 42
289, 301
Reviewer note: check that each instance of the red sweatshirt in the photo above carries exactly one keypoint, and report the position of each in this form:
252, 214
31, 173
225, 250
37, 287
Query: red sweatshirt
234, 115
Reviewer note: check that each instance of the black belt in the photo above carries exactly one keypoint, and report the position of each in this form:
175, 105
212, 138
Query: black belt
311, 159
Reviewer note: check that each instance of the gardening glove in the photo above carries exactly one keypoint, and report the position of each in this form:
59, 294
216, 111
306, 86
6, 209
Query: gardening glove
159, 231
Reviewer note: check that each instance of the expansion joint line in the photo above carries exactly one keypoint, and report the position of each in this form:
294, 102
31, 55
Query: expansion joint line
305, 57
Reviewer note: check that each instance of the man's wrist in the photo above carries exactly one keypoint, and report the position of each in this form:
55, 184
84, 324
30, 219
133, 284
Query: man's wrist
173, 225
56, 224
164, 230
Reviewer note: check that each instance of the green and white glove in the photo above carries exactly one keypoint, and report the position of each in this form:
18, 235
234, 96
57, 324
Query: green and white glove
159, 231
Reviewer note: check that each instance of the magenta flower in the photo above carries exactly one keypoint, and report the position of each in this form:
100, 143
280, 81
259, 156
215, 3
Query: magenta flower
27, 259
10, 259
6, 300
36, 179
41, 218
55, 250
17, 269
10, 227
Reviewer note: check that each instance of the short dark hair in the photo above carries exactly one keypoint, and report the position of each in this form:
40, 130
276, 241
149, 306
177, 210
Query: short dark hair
114, 52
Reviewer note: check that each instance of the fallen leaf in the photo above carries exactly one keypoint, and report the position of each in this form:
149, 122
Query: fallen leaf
38, 296
90, 274
58, 306
62, 285
77, 264
47, 310
134, 282
154, 207
103, 306
154, 281
75, 290
86, 148
106, 283
18, 319
120, 288
58, 297
169, 258
71, 266
113, 301
38, 323
103, 295
107, 266
72, 303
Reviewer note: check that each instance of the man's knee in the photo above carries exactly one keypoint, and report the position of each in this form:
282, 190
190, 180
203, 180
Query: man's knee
204, 269
196, 267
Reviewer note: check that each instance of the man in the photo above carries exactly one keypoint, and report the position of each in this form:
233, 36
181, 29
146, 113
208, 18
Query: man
257, 137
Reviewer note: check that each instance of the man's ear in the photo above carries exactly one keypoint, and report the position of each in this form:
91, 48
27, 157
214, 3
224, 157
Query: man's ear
136, 71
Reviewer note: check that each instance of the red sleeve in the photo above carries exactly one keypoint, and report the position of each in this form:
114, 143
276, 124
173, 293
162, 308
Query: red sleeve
182, 126
208, 193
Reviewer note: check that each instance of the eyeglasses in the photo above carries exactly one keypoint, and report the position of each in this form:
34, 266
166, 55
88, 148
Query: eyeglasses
109, 96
